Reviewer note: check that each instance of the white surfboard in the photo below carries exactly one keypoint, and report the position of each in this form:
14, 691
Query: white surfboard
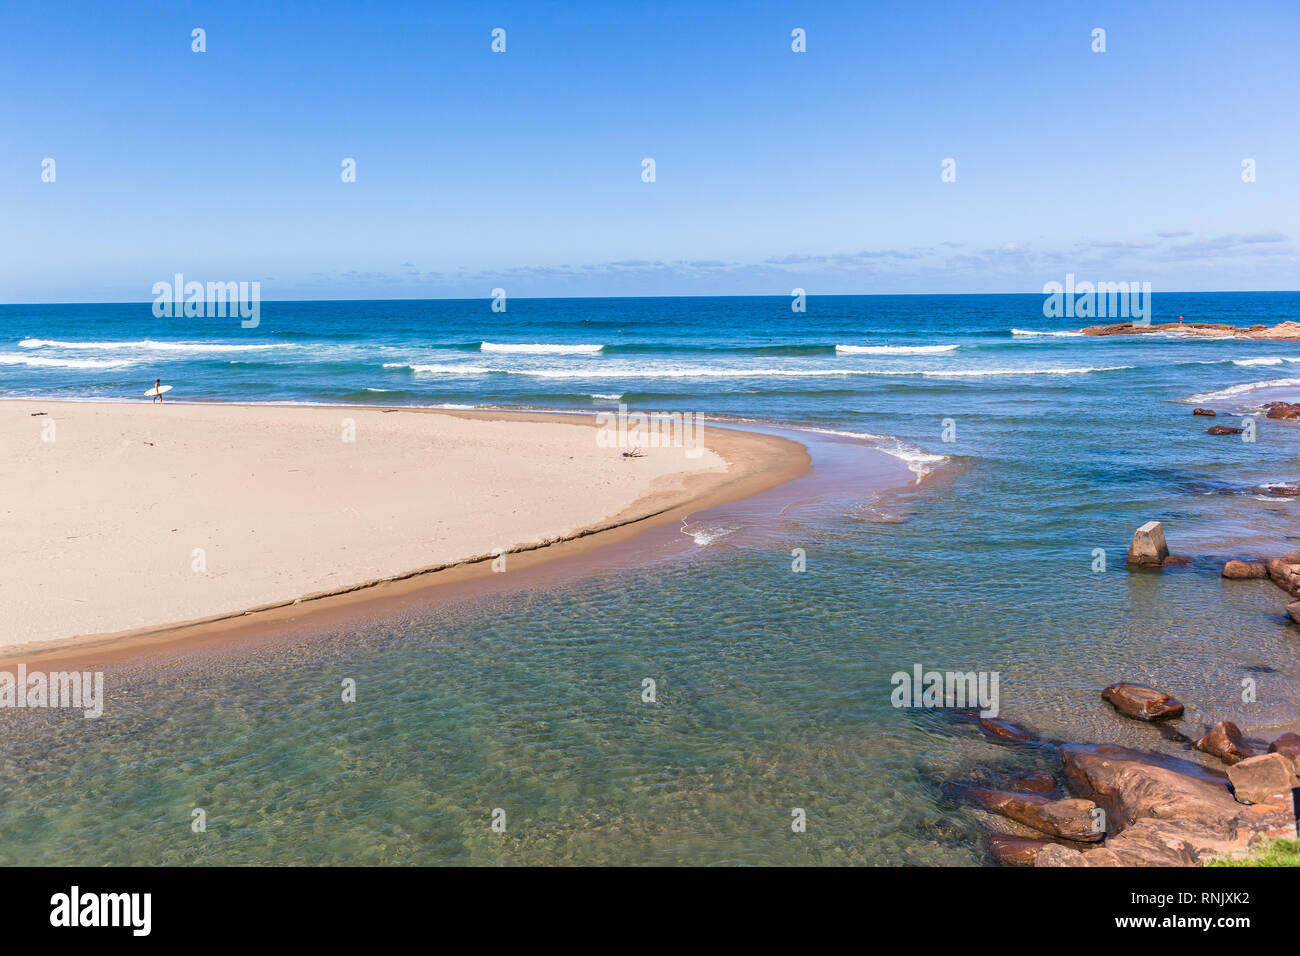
158, 390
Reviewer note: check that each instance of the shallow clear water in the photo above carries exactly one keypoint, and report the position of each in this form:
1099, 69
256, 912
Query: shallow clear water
773, 686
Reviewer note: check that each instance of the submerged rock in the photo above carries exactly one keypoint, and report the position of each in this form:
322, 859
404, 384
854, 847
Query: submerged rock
1285, 489
1040, 781
1148, 546
1226, 742
1142, 702
1244, 570
1016, 851
1282, 409
1072, 819
1005, 729
1204, 411
1262, 779
1223, 430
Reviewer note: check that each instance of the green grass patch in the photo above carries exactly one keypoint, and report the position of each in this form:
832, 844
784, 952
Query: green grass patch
1277, 853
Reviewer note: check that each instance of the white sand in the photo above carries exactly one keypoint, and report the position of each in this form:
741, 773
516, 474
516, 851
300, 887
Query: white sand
101, 525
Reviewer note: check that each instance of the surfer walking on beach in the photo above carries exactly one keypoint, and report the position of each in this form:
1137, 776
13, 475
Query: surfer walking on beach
157, 390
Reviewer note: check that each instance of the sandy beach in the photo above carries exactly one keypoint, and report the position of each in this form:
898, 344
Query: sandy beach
127, 517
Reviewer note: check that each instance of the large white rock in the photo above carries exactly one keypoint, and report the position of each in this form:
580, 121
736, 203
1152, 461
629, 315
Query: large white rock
1148, 545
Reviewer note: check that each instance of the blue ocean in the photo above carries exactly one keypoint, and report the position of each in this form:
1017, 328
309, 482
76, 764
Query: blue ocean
1025, 452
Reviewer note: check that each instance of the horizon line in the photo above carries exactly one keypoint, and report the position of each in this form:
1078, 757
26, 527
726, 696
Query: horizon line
747, 295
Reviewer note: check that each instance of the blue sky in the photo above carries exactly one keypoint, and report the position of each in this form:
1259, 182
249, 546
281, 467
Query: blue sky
523, 169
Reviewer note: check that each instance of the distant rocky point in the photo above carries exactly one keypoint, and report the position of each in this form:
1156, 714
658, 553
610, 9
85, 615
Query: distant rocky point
1283, 330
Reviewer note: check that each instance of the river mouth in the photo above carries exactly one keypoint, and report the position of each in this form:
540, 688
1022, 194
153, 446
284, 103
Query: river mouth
770, 689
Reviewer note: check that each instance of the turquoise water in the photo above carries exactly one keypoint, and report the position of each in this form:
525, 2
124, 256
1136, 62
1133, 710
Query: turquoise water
773, 686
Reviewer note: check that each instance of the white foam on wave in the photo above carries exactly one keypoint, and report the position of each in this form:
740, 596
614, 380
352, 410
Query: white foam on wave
614, 397
706, 535
920, 463
616, 373
442, 369
1234, 390
895, 349
1268, 360
685, 372
38, 362
538, 348
978, 373
149, 345
1029, 333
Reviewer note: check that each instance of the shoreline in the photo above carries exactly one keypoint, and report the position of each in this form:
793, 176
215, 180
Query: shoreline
754, 463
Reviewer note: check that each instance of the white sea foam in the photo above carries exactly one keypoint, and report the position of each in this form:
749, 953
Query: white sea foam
919, 462
443, 369
152, 346
706, 535
1028, 333
684, 372
538, 348
895, 349
1269, 360
979, 373
37, 362
608, 398
1234, 390
668, 372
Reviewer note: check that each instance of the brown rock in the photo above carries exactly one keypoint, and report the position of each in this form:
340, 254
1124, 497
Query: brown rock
1281, 490
1222, 430
1283, 410
1288, 745
1225, 741
1283, 330
1130, 785
1150, 842
1285, 573
1103, 856
1119, 328
1005, 729
1053, 854
1015, 851
1263, 778
1142, 702
1040, 781
1293, 611
1243, 570
1165, 811
1204, 411
1071, 819
1148, 546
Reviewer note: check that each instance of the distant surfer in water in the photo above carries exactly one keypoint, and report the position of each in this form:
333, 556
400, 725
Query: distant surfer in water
157, 390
